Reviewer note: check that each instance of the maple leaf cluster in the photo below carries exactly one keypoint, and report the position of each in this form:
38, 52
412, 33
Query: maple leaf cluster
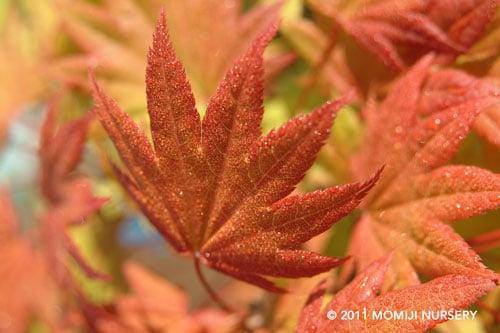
304, 164
36, 270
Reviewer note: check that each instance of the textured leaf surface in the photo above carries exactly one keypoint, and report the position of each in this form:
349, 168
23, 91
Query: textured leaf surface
215, 188
418, 193
451, 87
449, 292
399, 32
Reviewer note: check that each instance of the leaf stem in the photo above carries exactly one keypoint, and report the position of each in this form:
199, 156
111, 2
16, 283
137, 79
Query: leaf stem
216, 298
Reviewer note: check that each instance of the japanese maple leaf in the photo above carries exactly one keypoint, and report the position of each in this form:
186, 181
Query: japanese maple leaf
446, 293
69, 197
114, 35
399, 32
452, 87
40, 291
483, 55
36, 283
489, 126
144, 309
418, 195
217, 189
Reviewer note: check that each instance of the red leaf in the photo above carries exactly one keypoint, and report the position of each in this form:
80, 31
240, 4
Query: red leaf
69, 197
452, 87
60, 153
399, 32
417, 193
447, 293
216, 188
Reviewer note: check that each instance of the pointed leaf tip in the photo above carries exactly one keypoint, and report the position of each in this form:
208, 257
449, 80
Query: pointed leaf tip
370, 183
161, 22
94, 86
267, 35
